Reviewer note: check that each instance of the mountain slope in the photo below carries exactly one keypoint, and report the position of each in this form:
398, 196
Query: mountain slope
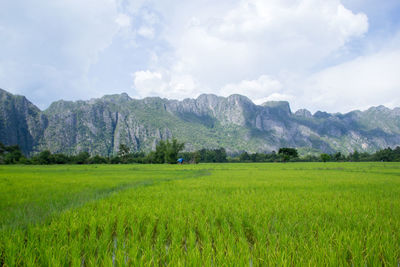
234, 122
21, 122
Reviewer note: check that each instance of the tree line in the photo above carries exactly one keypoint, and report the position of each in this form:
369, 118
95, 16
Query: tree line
166, 152
169, 151
291, 155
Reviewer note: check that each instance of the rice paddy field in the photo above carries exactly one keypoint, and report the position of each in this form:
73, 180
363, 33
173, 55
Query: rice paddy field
299, 214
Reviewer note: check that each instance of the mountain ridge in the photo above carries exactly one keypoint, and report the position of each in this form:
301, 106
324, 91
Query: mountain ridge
99, 125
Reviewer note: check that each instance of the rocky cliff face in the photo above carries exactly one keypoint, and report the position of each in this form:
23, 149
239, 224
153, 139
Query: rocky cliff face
20, 121
100, 125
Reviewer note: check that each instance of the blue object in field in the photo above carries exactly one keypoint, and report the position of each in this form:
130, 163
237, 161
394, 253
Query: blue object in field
180, 160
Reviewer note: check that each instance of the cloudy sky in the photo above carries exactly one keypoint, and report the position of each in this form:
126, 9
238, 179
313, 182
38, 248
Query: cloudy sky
331, 55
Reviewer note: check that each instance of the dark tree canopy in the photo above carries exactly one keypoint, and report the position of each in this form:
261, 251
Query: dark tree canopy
288, 153
213, 155
325, 157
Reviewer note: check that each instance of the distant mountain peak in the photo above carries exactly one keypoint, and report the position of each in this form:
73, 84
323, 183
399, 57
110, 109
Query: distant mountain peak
283, 105
117, 97
321, 115
303, 113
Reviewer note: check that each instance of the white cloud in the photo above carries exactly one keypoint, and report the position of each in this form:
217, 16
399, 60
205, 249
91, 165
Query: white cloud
240, 48
255, 37
123, 20
276, 97
146, 20
147, 32
291, 20
257, 90
49, 46
358, 84
148, 83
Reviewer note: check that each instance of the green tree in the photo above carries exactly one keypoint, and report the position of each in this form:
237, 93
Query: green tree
12, 154
115, 160
150, 158
172, 150
166, 152
213, 155
2, 148
355, 156
82, 157
191, 157
220, 155
159, 154
196, 158
123, 153
45, 157
2, 152
97, 160
384, 155
338, 156
288, 153
206, 155
60, 158
244, 157
325, 157
396, 153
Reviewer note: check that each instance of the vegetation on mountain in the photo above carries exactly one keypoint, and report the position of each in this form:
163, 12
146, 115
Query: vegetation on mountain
99, 126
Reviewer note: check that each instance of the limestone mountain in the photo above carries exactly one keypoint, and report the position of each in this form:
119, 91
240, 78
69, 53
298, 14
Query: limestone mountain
21, 122
235, 122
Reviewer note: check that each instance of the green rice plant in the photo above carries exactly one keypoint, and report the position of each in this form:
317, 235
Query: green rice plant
207, 214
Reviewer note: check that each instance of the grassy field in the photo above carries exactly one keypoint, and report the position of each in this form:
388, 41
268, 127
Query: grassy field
297, 214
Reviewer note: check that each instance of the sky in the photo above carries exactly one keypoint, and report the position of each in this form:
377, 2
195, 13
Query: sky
329, 55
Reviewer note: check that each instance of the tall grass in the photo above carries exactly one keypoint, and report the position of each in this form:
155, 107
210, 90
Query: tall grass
208, 214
